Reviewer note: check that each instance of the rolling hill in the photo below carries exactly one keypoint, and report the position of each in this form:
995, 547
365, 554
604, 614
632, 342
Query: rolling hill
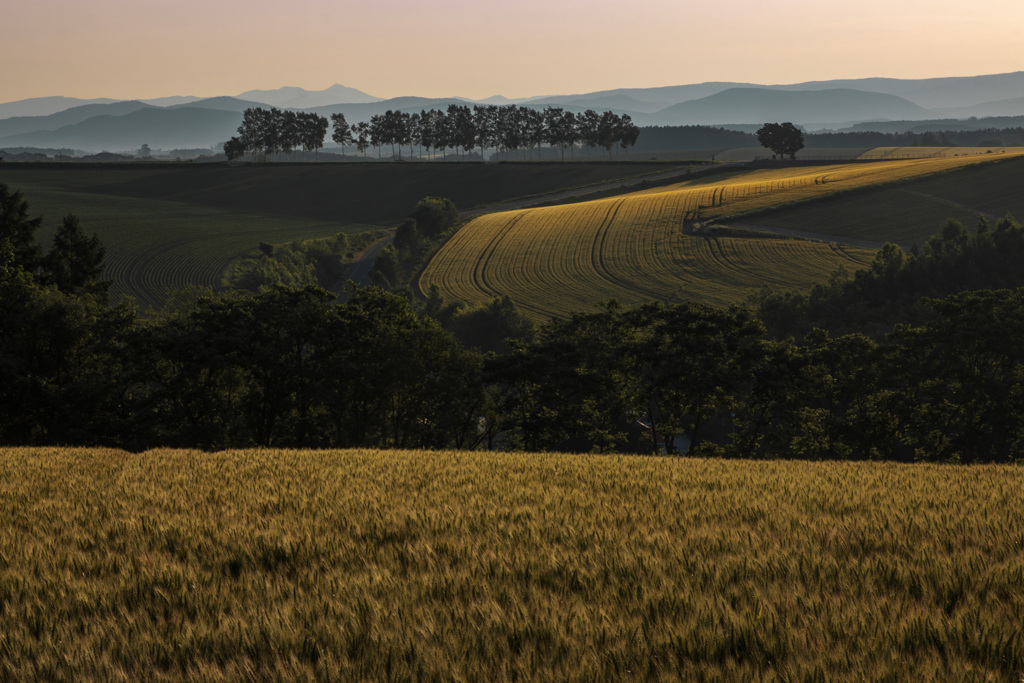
44, 106
299, 98
652, 244
824, 104
169, 226
808, 108
20, 125
166, 128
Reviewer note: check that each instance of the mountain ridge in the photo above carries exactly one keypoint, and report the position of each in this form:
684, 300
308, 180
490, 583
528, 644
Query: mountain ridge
835, 104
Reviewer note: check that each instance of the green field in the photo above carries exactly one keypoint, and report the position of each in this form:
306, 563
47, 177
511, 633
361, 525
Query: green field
390, 565
910, 212
170, 226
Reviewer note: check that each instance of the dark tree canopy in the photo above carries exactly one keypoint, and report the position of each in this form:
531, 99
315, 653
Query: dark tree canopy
16, 226
781, 138
917, 357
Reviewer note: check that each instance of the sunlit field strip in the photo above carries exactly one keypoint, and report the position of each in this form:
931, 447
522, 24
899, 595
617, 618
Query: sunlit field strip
389, 565
762, 188
632, 250
897, 152
638, 252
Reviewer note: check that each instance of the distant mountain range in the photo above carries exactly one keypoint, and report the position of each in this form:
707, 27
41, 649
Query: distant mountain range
182, 122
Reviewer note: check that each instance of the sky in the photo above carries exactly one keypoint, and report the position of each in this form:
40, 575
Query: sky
142, 49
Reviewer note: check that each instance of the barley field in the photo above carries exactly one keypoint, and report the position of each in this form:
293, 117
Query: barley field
389, 565
640, 246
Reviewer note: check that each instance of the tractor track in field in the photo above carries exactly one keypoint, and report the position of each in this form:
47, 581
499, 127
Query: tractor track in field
804, 234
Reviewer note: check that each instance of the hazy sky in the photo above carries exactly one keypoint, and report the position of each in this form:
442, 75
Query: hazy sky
476, 48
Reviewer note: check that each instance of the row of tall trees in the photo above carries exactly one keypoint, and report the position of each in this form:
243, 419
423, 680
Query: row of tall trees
265, 132
461, 129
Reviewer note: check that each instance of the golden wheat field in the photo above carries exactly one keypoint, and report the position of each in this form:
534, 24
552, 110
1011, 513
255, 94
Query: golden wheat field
908, 152
389, 565
637, 247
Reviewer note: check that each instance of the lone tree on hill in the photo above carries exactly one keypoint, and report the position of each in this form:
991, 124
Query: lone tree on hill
781, 138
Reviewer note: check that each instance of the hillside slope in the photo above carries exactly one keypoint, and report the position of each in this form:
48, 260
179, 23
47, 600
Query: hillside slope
167, 226
644, 246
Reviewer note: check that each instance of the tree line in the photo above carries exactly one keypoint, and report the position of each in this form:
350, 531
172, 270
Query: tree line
709, 139
936, 378
510, 129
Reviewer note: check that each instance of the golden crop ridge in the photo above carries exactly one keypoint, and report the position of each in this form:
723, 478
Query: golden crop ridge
638, 247
390, 565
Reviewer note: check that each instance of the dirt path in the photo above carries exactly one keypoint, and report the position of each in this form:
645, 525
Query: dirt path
361, 269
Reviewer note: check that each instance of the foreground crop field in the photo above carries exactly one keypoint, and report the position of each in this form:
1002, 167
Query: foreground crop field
636, 247
170, 226
369, 565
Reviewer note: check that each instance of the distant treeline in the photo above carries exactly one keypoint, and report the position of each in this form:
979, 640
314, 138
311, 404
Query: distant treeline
266, 132
862, 367
705, 138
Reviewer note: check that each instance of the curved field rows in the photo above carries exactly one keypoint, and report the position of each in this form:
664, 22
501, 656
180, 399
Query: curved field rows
633, 251
634, 247
769, 187
898, 152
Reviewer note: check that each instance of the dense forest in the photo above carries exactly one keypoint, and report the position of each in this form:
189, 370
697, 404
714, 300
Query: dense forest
918, 358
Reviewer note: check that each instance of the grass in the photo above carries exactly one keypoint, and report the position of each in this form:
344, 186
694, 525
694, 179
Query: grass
156, 247
172, 226
639, 246
387, 565
910, 212
746, 192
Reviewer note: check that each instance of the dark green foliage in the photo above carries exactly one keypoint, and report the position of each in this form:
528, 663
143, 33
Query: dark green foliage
267, 132
963, 378
431, 223
287, 367
936, 379
398, 379
434, 215
706, 138
61, 361
317, 262
568, 389
486, 327
599, 380
890, 292
781, 138
17, 228
828, 399
234, 149
75, 261
692, 362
